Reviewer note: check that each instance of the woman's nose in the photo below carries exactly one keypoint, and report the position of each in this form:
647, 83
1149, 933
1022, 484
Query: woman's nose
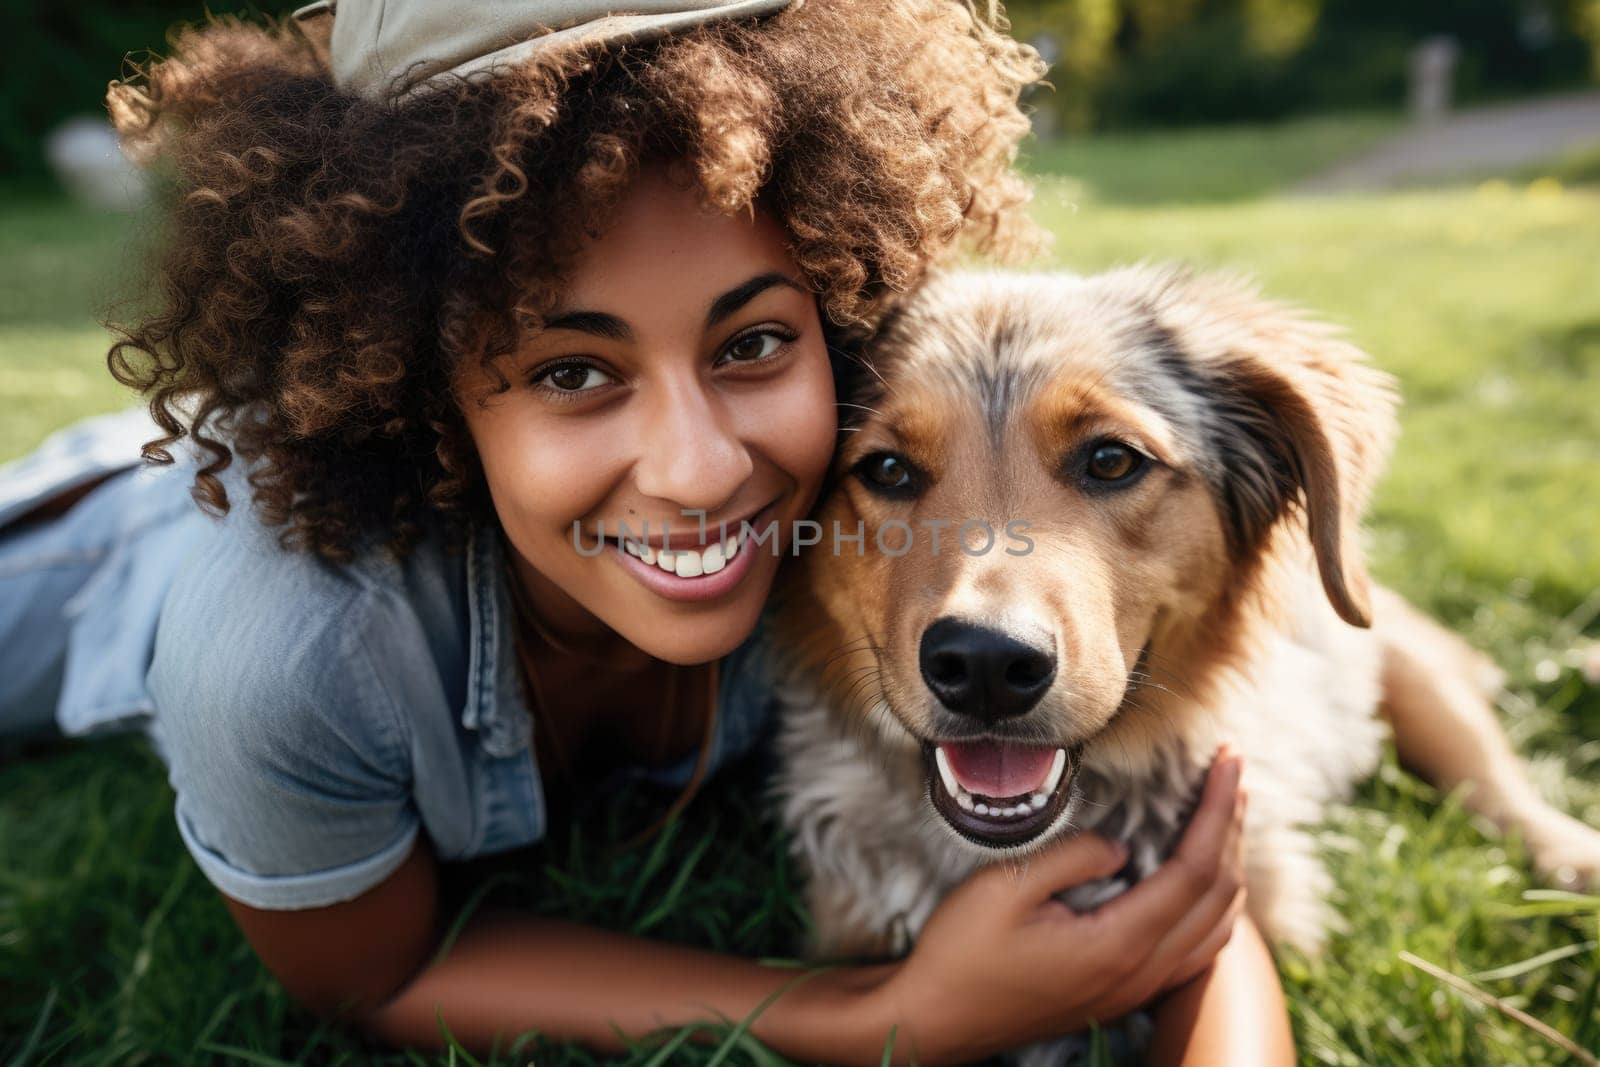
690, 451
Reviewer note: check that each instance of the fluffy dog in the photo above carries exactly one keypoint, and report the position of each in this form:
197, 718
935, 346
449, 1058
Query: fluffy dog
1080, 530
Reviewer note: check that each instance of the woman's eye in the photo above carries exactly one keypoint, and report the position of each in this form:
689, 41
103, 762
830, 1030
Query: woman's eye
754, 347
887, 471
1113, 461
571, 377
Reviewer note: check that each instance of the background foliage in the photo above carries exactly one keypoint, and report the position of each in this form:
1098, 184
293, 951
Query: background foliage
60, 57
1119, 62
1170, 62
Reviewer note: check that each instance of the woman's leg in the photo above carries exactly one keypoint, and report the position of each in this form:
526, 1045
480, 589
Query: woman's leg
1232, 1013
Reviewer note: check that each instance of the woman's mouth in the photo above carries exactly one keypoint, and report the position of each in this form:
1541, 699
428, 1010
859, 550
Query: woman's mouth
696, 572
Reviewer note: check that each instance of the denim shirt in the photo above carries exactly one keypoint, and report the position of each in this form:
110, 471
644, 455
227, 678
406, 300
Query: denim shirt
313, 717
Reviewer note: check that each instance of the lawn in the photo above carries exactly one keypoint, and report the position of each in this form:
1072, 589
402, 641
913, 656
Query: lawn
1483, 300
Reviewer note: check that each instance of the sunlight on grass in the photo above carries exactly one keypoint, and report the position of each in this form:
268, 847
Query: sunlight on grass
1204, 165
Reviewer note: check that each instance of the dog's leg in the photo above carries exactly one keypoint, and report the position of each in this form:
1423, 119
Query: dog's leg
1434, 688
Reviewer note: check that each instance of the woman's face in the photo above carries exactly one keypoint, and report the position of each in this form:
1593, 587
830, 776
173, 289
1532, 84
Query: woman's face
684, 371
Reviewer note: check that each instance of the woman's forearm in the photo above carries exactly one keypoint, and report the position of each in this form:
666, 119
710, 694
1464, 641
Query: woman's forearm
1232, 1013
507, 974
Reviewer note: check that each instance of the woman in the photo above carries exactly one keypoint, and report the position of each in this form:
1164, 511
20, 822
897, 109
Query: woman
438, 314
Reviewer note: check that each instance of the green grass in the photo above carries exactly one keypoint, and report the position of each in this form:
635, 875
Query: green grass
61, 270
113, 949
1193, 166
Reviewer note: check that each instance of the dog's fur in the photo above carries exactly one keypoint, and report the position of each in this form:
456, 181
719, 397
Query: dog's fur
1222, 595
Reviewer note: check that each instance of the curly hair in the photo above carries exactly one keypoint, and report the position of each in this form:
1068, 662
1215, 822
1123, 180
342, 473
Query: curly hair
328, 259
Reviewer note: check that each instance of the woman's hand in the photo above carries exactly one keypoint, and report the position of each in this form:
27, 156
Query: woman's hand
1001, 963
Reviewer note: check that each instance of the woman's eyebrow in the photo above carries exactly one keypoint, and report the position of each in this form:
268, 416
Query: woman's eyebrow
740, 295
604, 324
595, 322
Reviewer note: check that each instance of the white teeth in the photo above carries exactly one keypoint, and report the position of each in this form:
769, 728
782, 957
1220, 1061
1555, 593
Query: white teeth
951, 786
689, 562
1053, 779
982, 809
1038, 800
964, 800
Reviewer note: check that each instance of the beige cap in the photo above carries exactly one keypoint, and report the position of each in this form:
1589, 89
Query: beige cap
394, 48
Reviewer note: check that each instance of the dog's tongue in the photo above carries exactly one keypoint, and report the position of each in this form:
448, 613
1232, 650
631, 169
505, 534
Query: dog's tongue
998, 769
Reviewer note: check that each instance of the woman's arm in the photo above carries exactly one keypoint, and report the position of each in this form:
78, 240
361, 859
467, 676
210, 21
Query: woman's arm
1000, 962
370, 960
1233, 1012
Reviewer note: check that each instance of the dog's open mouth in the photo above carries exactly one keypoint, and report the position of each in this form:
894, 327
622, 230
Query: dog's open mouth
999, 793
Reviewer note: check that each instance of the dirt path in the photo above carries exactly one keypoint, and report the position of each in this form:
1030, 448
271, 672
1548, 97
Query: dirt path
1476, 141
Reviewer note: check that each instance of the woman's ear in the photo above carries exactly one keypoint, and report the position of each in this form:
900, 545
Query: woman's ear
1293, 419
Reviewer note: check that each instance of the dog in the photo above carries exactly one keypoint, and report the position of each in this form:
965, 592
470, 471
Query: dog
1168, 473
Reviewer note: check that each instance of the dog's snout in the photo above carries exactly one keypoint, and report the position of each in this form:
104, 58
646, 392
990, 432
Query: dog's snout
984, 673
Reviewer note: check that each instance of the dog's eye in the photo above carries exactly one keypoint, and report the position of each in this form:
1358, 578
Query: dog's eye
1113, 461
887, 472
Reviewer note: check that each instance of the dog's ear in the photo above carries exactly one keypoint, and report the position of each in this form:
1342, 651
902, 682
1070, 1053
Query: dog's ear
1293, 418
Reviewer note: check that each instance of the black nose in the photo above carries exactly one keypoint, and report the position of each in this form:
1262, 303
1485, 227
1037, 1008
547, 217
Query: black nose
981, 672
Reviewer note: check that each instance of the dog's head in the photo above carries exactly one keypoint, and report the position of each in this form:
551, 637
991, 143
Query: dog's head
1064, 486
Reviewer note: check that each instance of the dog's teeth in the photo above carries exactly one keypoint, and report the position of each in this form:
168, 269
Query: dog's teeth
1038, 800
1056, 769
981, 809
964, 800
946, 775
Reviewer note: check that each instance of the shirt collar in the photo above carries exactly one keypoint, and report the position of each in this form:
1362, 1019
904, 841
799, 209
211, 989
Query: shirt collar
494, 706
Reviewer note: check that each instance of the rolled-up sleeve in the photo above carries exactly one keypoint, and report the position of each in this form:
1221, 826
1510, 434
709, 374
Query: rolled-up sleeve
287, 756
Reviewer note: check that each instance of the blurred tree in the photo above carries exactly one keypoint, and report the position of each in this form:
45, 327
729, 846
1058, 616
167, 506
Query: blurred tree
1155, 19
1281, 27
62, 55
1135, 62
1078, 37
1586, 17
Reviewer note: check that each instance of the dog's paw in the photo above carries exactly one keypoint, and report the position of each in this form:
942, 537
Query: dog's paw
1565, 851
